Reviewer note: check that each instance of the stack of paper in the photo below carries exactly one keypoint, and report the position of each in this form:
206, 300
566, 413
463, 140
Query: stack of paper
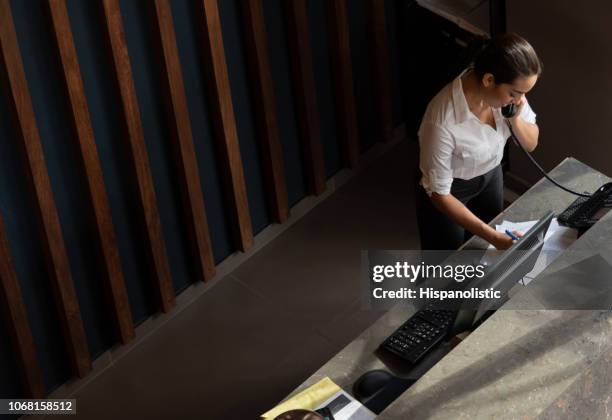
557, 239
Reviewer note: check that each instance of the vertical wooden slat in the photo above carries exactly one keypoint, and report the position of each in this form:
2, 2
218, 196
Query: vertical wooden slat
381, 71
52, 239
342, 73
114, 283
264, 106
17, 322
152, 231
305, 94
225, 123
185, 157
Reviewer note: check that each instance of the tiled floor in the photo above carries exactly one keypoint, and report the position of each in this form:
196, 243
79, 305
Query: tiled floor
247, 342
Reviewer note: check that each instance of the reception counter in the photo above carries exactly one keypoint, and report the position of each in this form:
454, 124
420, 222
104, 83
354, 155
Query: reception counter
525, 364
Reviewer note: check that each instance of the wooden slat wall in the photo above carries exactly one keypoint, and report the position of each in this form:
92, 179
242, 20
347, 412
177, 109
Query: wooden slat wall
381, 69
17, 322
119, 306
152, 230
186, 161
305, 94
264, 107
342, 73
51, 234
225, 123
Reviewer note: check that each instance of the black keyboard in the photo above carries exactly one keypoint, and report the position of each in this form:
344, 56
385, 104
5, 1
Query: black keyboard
423, 331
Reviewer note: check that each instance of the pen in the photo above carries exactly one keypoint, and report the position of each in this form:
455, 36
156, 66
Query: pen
513, 236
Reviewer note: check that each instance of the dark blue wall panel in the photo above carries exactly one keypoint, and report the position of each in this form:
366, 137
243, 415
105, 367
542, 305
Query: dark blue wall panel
317, 19
281, 74
20, 222
235, 55
393, 41
362, 72
63, 162
145, 56
10, 382
188, 27
14, 210
10, 385
107, 121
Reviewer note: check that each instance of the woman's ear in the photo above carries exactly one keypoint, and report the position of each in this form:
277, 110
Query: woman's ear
488, 80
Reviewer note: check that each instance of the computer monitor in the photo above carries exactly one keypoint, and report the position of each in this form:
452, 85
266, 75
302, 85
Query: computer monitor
504, 273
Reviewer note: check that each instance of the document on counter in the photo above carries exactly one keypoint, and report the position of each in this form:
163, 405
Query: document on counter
557, 239
324, 393
344, 407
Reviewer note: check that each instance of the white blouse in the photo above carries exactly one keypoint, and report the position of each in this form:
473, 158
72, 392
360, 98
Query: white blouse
455, 143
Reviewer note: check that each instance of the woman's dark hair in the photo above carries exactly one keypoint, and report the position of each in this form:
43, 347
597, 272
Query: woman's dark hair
507, 57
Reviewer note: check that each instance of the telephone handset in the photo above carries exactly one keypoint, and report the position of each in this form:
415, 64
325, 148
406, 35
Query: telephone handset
585, 212
587, 208
509, 110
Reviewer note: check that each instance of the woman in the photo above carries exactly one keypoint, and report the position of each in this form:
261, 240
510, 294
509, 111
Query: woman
462, 138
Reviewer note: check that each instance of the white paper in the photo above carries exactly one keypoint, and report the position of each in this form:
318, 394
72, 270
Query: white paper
557, 239
353, 410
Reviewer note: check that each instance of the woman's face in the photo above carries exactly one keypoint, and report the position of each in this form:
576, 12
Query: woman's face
502, 94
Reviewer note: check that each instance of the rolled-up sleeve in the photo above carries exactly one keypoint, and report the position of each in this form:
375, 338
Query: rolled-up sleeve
527, 113
437, 147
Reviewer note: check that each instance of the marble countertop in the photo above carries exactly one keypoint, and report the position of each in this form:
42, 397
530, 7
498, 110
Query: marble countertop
522, 364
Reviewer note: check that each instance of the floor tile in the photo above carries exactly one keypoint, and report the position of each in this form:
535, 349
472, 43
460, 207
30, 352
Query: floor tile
350, 324
313, 269
294, 369
223, 344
